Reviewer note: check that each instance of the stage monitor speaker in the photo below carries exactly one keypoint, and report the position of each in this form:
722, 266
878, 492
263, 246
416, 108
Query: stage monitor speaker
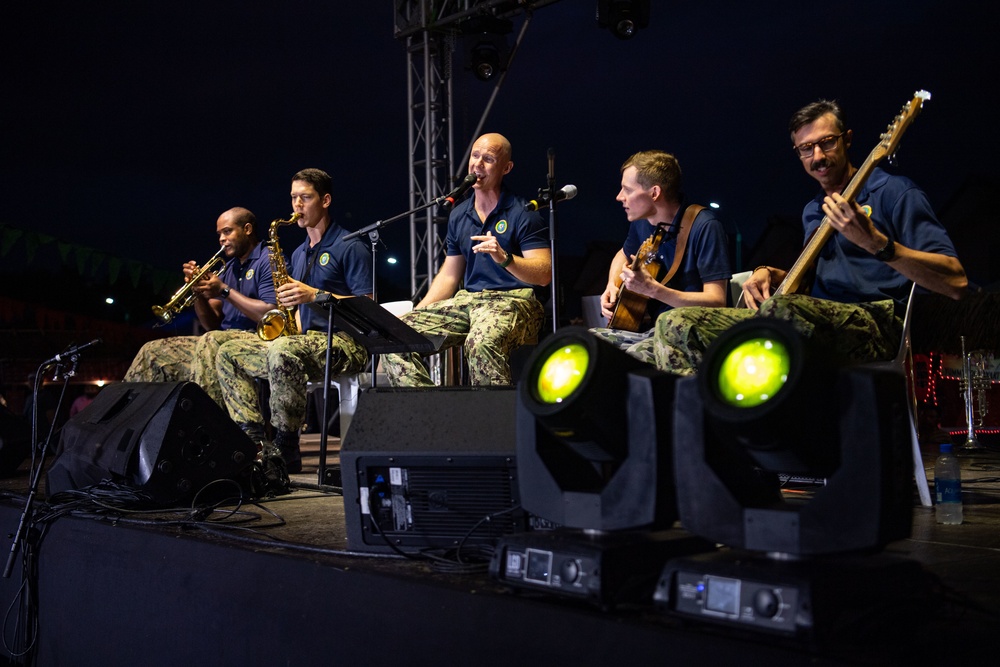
166, 439
430, 469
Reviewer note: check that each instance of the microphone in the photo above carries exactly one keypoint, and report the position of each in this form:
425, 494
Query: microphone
566, 192
449, 199
73, 350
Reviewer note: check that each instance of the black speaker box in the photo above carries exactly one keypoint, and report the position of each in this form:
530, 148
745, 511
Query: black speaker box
167, 439
430, 469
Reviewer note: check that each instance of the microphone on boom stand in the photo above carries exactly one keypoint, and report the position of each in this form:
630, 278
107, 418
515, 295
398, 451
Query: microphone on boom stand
544, 198
449, 199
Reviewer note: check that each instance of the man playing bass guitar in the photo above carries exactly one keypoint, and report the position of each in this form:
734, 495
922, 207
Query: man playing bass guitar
675, 255
882, 239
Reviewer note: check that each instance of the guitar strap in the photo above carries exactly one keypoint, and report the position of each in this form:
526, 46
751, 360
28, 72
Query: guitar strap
687, 221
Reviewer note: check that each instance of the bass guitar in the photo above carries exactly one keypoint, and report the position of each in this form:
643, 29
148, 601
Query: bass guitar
795, 278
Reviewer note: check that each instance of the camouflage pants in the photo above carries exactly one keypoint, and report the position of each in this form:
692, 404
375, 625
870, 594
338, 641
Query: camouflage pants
287, 363
490, 324
638, 344
851, 332
184, 359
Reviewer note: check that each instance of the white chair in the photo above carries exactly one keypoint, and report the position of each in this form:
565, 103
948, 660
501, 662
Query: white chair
736, 287
592, 316
904, 364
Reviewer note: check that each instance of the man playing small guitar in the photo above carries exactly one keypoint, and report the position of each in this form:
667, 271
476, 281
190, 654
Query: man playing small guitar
879, 240
674, 255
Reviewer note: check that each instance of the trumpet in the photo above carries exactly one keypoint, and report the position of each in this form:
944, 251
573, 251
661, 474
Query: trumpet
973, 385
185, 296
278, 321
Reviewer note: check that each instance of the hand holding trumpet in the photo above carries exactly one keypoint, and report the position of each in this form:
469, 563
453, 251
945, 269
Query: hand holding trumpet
187, 293
207, 285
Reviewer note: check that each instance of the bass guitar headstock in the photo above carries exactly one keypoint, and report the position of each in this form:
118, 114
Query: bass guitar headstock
894, 133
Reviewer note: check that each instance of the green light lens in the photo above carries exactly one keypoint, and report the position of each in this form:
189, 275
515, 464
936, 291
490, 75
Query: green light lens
753, 372
562, 373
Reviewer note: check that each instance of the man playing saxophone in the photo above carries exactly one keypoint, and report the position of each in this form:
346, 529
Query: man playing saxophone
324, 262
227, 305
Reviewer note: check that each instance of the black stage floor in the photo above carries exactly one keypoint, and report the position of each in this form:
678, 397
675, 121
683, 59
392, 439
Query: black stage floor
275, 584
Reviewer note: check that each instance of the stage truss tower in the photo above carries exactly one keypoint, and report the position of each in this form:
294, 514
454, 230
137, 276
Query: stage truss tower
429, 30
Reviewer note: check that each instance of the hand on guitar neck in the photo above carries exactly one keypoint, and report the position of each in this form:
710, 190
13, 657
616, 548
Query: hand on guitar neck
631, 284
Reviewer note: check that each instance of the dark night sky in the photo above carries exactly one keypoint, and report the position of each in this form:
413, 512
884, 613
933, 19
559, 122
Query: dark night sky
129, 126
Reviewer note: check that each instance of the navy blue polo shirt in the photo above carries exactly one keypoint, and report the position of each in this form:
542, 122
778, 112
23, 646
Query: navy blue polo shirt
334, 265
706, 256
516, 230
252, 279
899, 209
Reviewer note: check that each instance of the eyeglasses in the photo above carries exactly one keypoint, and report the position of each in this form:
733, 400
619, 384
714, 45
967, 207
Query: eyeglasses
826, 144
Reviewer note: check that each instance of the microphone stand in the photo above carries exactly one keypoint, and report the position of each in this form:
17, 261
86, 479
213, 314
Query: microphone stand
553, 289
372, 231
25, 524
324, 429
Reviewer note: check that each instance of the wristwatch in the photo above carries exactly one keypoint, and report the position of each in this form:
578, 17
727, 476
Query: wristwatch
887, 252
224, 293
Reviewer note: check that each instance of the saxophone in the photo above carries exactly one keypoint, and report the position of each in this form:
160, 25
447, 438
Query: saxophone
278, 321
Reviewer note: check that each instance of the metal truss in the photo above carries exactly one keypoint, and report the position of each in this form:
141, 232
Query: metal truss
429, 30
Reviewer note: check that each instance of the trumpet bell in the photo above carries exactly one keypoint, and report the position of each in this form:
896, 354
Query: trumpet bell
272, 325
163, 314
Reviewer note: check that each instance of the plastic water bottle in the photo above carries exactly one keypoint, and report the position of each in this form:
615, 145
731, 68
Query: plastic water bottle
948, 487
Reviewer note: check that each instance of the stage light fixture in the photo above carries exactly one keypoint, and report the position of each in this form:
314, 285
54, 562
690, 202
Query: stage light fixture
588, 436
623, 17
488, 52
767, 404
762, 373
593, 458
485, 60
768, 407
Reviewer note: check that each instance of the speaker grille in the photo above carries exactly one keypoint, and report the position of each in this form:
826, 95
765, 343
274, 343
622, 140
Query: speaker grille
421, 472
439, 506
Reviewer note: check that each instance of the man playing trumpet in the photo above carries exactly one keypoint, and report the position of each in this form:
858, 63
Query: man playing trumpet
228, 305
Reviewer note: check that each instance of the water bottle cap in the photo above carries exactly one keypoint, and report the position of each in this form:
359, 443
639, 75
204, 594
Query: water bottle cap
945, 448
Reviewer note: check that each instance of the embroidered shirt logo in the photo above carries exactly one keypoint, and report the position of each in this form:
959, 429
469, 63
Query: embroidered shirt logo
324, 259
501, 227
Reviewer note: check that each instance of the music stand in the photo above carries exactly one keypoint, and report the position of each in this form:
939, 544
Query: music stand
372, 326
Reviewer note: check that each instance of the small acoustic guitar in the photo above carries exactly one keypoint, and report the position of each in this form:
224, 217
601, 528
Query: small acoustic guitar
630, 308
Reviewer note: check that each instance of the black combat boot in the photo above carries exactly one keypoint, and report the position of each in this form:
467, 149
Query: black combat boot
270, 476
287, 443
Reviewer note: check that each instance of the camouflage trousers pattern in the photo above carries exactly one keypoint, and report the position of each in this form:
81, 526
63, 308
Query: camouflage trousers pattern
287, 363
490, 324
851, 332
184, 359
638, 344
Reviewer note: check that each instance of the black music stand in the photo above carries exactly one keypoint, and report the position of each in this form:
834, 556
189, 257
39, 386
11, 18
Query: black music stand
376, 329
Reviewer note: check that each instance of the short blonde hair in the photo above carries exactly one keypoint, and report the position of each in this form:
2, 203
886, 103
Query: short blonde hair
657, 168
